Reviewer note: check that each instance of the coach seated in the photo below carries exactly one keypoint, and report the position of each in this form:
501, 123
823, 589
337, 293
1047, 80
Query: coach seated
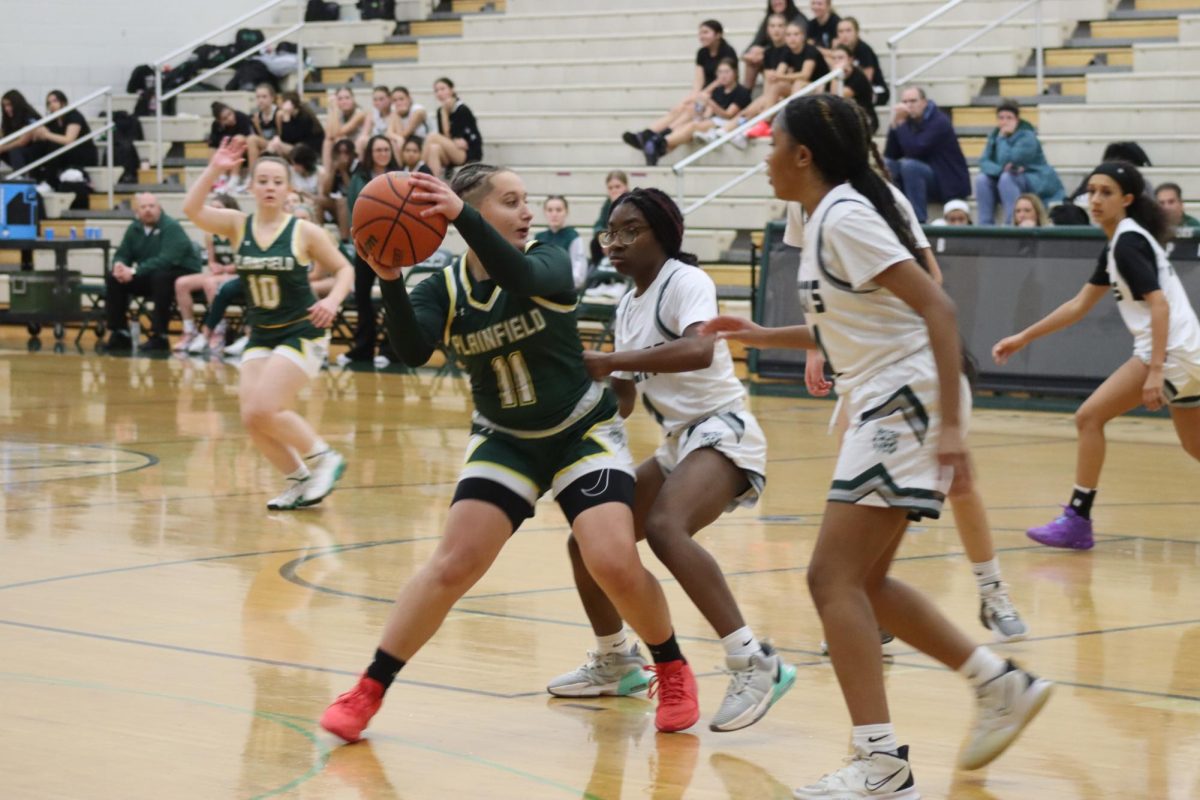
153, 253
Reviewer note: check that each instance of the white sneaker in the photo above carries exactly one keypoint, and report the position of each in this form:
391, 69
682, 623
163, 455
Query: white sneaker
755, 683
879, 776
611, 674
999, 615
382, 362
740, 141
238, 347
291, 497
326, 469
1007, 703
342, 360
197, 345
185, 342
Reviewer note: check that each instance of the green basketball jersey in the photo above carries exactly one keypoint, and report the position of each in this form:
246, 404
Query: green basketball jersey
523, 354
223, 250
276, 280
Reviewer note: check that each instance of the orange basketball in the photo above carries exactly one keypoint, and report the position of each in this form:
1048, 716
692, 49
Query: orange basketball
388, 225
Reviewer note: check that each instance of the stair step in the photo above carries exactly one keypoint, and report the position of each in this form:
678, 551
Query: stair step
196, 150
1027, 87
409, 51
1167, 5
985, 116
436, 27
1084, 56
476, 6
1136, 29
344, 75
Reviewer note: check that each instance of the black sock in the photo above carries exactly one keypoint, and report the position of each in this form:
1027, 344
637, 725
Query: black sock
667, 651
384, 668
1081, 501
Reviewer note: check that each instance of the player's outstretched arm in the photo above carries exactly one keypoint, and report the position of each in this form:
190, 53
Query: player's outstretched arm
791, 337
224, 222
1064, 316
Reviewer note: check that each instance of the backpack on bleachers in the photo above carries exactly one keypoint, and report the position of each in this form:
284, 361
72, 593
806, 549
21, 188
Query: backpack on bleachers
127, 130
320, 11
377, 9
141, 78
247, 38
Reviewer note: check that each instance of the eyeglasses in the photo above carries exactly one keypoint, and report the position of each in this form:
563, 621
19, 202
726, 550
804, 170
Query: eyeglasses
625, 236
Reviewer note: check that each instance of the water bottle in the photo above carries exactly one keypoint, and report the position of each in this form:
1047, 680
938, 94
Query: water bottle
135, 332
74, 234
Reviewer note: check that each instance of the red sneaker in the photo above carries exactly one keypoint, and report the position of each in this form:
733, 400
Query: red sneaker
760, 131
678, 703
351, 712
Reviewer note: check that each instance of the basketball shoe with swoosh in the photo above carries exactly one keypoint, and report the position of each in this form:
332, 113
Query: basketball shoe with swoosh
866, 776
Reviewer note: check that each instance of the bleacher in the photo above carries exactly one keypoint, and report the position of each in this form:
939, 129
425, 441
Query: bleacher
553, 85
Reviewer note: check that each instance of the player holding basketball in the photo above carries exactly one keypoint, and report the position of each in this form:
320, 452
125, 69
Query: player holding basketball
713, 457
890, 332
289, 338
1165, 367
540, 423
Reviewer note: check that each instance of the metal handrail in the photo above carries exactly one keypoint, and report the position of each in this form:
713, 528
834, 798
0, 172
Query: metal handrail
725, 187
893, 42
158, 64
720, 141
107, 93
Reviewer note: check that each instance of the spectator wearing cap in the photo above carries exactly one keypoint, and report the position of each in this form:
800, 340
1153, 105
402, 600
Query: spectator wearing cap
1012, 164
954, 213
1170, 200
923, 154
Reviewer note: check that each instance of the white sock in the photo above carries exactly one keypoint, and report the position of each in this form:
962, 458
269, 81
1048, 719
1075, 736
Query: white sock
301, 474
879, 738
613, 643
319, 447
741, 642
982, 666
189, 326
986, 572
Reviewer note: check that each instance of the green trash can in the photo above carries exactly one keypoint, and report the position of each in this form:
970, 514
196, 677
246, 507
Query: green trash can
39, 293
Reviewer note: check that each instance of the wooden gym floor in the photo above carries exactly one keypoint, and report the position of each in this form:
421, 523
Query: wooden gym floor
163, 636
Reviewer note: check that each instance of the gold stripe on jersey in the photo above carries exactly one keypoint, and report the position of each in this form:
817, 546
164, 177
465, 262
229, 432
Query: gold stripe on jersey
252, 218
296, 246
561, 308
452, 293
282, 324
466, 282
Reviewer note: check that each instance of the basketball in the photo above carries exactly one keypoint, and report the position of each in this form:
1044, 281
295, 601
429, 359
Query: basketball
388, 226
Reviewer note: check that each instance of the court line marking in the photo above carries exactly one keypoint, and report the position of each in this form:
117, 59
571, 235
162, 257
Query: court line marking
151, 460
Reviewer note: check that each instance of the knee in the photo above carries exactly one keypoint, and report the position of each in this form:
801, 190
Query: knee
1088, 421
663, 534
983, 184
823, 582
257, 414
617, 570
457, 570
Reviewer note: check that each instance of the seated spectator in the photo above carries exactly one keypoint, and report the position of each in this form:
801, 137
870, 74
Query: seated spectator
297, 125
410, 156
764, 41
1012, 163
713, 50
457, 140
954, 213
15, 114
343, 119
616, 183
221, 268
1113, 151
305, 174
565, 237
855, 84
1170, 200
60, 132
823, 27
265, 120
228, 124
923, 154
408, 119
378, 117
323, 285
723, 104
153, 253
864, 58
380, 159
1030, 212
335, 183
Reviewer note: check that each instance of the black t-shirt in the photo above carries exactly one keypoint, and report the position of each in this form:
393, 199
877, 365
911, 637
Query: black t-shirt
864, 95
85, 154
739, 96
266, 125
774, 56
824, 35
241, 127
709, 62
809, 53
864, 56
302, 129
1135, 261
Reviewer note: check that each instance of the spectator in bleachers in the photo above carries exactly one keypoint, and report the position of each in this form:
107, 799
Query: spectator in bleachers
755, 54
954, 213
297, 125
153, 253
855, 84
335, 183
923, 154
410, 156
1030, 212
713, 50
457, 140
221, 268
1012, 163
305, 175
823, 26
323, 285
864, 58
16, 113
722, 105
343, 119
564, 236
60, 132
616, 183
408, 119
377, 117
1170, 200
228, 124
264, 120
380, 158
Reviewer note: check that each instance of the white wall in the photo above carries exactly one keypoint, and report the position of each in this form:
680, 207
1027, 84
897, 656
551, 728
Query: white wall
81, 45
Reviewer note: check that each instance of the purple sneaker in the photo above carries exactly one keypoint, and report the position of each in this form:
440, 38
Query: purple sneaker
1068, 530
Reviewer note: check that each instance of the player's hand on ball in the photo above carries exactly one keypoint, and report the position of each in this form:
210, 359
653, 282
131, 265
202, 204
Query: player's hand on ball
1006, 348
384, 273
952, 454
436, 192
323, 312
597, 364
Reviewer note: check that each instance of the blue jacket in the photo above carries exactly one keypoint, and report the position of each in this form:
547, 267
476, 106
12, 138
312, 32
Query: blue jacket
1022, 149
933, 141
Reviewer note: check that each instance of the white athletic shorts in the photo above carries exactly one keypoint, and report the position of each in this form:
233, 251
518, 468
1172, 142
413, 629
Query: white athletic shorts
889, 454
735, 435
1181, 381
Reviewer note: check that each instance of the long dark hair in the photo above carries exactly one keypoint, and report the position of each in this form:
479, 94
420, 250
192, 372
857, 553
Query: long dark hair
832, 129
664, 218
1144, 209
366, 164
789, 13
301, 107
22, 112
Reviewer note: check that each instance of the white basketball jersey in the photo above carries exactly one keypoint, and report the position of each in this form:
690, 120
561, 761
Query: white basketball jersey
860, 326
679, 297
1183, 335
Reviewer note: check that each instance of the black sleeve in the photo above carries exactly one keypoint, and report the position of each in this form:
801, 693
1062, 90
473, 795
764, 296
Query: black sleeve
741, 96
1137, 264
244, 126
538, 272
414, 323
1100, 276
866, 55
700, 57
725, 51
215, 135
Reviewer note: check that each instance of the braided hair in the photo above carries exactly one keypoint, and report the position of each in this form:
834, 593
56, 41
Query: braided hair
832, 129
664, 218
